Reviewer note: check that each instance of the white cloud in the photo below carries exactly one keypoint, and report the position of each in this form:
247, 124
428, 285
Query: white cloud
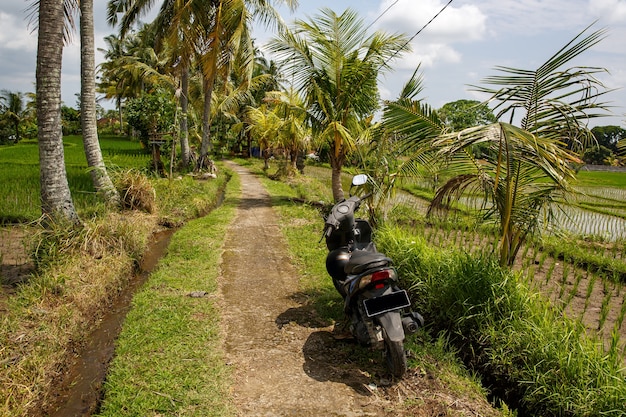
429, 55
454, 24
435, 44
15, 35
613, 10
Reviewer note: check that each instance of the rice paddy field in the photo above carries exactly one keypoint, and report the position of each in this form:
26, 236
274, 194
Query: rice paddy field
19, 189
19, 174
578, 263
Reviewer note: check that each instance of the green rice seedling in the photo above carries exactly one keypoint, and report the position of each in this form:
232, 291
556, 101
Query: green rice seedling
455, 237
606, 304
542, 259
622, 313
578, 276
568, 270
590, 286
614, 346
526, 261
550, 271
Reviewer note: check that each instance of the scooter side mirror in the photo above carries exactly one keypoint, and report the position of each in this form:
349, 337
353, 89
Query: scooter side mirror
359, 179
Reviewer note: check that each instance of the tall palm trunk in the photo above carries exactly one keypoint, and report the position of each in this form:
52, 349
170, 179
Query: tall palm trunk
99, 175
206, 123
56, 199
184, 104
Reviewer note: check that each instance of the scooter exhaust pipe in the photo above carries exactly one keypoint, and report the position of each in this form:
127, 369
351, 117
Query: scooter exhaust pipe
412, 322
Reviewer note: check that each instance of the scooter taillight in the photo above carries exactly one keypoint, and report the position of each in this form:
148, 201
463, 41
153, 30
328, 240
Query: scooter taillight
378, 278
382, 275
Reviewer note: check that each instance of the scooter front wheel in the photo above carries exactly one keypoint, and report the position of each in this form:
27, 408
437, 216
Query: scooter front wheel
395, 356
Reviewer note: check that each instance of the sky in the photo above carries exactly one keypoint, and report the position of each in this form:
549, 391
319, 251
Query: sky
460, 48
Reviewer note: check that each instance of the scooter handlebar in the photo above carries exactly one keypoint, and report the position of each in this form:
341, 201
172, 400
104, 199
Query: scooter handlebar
366, 196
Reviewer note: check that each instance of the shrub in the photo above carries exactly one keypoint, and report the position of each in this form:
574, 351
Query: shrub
150, 114
527, 353
136, 191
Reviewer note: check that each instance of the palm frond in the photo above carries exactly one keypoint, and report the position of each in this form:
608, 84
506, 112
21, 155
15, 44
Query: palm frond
553, 101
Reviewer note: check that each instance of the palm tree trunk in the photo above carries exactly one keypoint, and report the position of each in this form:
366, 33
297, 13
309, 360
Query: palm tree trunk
184, 104
17, 131
118, 101
206, 124
99, 175
336, 163
56, 199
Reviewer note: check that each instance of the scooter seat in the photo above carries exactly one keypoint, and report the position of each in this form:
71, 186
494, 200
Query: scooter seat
361, 260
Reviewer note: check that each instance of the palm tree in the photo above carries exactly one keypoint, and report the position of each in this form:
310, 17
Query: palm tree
263, 125
524, 168
293, 134
334, 64
99, 175
214, 31
56, 199
112, 85
13, 109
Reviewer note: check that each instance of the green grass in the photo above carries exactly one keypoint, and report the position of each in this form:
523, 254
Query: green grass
528, 354
601, 179
169, 359
19, 175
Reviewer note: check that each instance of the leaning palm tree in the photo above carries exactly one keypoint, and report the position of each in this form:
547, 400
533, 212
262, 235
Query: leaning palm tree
334, 63
524, 168
99, 175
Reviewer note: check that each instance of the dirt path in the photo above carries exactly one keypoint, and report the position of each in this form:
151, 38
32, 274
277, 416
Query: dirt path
268, 332
285, 363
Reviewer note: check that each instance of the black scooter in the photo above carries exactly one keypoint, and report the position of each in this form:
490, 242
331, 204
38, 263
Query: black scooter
378, 310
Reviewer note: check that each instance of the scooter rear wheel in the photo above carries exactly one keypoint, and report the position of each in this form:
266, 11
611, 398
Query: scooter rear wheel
395, 356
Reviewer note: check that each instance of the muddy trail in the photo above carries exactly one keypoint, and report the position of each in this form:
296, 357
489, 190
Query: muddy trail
285, 361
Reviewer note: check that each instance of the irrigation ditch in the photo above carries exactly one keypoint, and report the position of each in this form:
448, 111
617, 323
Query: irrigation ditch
80, 392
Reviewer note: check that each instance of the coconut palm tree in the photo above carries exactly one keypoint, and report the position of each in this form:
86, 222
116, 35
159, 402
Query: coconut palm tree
56, 199
212, 31
112, 84
524, 168
12, 106
293, 133
172, 26
263, 125
99, 175
334, 63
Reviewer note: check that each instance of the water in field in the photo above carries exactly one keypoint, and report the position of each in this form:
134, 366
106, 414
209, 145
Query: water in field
583, 222
605, 217
606, 220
